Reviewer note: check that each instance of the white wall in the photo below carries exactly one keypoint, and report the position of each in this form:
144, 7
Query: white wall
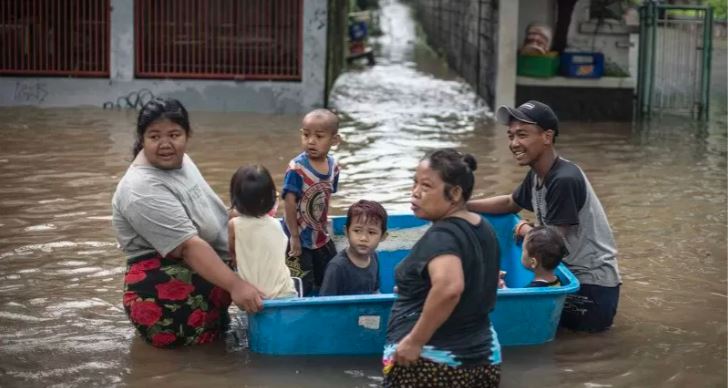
505, 90
541, 11
612, 40
614, 44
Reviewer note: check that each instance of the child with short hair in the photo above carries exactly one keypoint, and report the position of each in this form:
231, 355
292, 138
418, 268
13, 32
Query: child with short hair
255, 239
543, 249
310, 179
355, 270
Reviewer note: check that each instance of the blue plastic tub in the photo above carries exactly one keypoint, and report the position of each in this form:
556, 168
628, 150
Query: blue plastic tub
357, 324
582, 64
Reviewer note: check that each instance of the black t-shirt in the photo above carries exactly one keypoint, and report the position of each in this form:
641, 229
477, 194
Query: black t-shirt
466, 333
542, 283
344, 278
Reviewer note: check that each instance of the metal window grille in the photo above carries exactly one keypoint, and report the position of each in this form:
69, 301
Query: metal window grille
55, 37
220, 39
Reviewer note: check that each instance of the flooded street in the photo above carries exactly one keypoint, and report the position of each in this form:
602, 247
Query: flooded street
663, 186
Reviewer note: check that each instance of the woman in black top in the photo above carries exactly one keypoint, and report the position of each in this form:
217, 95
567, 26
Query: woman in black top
439, 332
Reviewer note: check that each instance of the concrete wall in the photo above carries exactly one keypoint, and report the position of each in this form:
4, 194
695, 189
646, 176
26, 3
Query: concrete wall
508, 16
604, 99
458, 31
581, 103
213, 95
466, 33
539, 11
611, 38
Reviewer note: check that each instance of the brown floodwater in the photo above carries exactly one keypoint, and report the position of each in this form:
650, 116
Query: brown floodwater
663, 186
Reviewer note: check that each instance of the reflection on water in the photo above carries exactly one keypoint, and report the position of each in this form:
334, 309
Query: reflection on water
663, 186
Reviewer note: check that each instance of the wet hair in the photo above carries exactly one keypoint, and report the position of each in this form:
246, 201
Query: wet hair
546, 244
455, 169
330, 119
252, 191
159, 109
367, 211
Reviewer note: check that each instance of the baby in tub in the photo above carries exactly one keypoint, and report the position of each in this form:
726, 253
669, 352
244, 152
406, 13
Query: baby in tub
543, 250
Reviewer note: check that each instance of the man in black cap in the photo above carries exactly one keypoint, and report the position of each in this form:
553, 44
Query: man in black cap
560, 195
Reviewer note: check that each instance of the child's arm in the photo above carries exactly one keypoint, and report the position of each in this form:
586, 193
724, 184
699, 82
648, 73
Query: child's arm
231, 242
292, 224
521, 230
502, 279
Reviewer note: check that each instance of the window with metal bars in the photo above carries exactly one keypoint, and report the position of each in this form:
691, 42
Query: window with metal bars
55, 37
219, 39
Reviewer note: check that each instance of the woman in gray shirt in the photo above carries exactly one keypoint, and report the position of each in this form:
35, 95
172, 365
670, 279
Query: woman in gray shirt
171, 225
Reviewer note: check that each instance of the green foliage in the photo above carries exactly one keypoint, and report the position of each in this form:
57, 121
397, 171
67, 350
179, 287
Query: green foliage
610, 9
612, 69
720, 8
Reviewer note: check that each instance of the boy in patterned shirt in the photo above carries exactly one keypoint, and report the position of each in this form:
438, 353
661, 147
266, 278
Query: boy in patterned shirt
310, 179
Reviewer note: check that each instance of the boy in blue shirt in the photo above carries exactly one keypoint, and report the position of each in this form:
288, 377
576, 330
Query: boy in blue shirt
355, 270
310, 179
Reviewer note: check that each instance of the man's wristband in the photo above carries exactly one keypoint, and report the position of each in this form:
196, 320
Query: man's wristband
518, 228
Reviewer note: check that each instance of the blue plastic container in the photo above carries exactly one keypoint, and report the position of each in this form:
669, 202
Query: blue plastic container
357, 324
358, 30
582, 64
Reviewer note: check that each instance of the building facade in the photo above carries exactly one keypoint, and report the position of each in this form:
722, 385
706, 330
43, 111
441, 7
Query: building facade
222, 55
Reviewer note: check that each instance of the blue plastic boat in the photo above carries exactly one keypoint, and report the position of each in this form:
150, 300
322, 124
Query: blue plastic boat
357, 324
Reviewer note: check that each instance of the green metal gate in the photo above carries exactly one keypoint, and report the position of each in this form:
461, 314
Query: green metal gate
674, 60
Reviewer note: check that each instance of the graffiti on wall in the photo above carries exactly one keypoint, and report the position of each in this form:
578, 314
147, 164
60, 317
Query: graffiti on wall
30, 91
319, 18
133, 100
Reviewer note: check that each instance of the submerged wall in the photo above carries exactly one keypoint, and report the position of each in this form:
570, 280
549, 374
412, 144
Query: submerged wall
213, 95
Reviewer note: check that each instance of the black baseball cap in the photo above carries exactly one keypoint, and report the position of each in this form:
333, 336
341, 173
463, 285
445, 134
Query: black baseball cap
532, 112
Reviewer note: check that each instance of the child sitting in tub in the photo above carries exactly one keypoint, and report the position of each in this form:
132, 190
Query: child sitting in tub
256, 240
355, 270
543, 249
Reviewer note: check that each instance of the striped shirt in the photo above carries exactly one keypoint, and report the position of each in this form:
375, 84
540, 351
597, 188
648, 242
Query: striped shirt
313, 193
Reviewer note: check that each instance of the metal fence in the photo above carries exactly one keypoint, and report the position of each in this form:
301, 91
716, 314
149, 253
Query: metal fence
55, 37
674, 59
221, 39
466, 33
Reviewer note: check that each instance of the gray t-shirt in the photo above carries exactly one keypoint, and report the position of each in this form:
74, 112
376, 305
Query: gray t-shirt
344, 278
156, 210
566, 198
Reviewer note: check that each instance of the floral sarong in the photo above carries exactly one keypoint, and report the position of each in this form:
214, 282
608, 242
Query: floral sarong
171, 305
